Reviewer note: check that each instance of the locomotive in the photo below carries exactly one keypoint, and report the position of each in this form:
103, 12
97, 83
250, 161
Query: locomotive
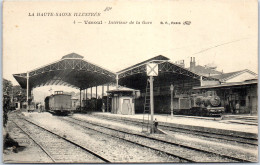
205, 104
58, 103
199, 104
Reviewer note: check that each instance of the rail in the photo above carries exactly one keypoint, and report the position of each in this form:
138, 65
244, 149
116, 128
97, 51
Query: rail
157, 140
67, 140
207, 134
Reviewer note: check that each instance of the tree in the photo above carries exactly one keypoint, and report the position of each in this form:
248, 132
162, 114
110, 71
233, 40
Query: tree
7, 87
7, 91
19, 93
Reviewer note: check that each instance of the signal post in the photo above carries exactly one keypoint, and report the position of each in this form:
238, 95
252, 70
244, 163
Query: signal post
152, 70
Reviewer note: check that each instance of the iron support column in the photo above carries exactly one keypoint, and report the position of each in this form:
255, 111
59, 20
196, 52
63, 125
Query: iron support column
201, 81
27, 90
91, 93
251, 109
172, 88
96, 98
86, 93
102, 91
116, 81
80, 99
107, 98
151, 103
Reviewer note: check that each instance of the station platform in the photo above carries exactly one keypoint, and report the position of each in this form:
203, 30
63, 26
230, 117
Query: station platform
206, 124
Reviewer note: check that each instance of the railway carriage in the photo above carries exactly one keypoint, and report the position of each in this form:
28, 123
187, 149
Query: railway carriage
59, 103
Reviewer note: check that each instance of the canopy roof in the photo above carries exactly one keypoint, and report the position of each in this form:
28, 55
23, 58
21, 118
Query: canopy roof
230, 75
72, 70
229, 85
135, 76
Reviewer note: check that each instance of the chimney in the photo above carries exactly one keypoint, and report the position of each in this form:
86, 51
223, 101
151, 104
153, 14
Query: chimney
192, 64
180, 63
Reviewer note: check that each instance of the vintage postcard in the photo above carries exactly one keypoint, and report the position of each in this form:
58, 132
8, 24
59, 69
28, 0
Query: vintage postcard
118, 81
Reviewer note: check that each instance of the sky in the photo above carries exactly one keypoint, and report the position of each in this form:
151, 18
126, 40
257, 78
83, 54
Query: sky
223, 32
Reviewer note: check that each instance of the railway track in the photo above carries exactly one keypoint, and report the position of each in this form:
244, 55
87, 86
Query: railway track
183, 152
212, 135
113, 149
58, 148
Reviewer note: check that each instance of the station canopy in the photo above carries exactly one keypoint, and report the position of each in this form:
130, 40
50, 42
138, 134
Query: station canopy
136, 77
72, 70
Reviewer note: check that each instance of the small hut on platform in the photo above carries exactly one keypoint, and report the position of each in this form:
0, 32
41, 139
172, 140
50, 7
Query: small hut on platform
123, 101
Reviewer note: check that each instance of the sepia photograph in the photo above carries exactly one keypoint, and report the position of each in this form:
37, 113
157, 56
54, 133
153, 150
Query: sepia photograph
118, 81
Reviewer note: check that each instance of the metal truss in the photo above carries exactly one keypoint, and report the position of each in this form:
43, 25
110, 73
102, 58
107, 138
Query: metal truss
140, 69
58, 73
75, 64
163, 66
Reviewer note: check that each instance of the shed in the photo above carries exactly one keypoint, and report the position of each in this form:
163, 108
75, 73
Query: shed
123, 101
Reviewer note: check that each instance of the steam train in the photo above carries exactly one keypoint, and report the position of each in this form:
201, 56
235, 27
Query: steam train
205, 104
58, 103
200, 104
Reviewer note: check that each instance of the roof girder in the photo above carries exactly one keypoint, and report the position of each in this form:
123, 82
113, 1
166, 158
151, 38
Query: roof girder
164, 66
72, 72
